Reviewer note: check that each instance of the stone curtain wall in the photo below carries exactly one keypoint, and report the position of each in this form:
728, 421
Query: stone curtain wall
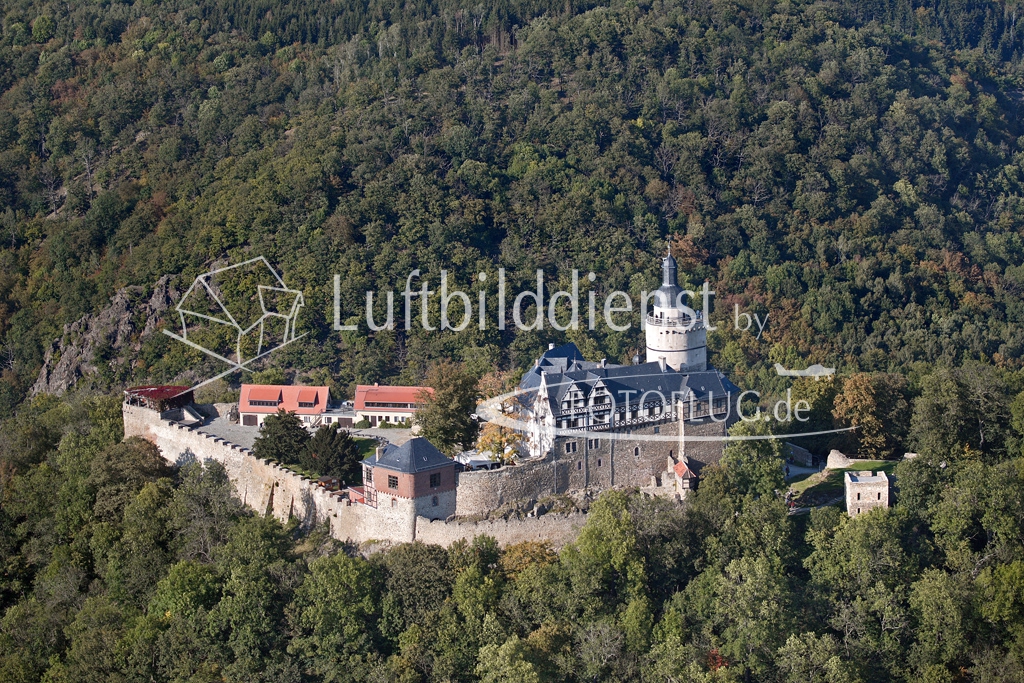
264, 486
267, 487
555, 528
481, 491
613, 463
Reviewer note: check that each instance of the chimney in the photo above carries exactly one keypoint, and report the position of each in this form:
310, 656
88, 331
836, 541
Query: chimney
661, 362
379, 451
551, 345
604, 362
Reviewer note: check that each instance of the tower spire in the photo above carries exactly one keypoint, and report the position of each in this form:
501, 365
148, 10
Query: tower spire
669, 270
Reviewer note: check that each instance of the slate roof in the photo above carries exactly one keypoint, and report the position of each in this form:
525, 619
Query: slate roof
564, 358
667, 295
415, 455
564, 368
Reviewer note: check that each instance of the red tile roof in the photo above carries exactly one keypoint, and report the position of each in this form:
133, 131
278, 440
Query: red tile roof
263, 393
683, 472
386, 394
286, 397
308, 395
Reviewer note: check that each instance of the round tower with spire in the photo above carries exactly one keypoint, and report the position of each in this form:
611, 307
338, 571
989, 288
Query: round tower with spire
672, 334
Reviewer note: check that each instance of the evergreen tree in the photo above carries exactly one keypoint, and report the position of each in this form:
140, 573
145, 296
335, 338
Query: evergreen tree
282, 438
332, 452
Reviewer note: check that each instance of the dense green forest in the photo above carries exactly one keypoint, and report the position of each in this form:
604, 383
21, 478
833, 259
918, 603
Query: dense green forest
852, 169
116, 567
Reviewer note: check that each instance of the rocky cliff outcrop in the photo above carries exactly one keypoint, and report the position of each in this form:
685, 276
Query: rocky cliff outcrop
108, 336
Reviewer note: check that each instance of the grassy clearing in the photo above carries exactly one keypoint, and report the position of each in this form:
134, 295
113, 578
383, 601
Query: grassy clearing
366, 446
818, 487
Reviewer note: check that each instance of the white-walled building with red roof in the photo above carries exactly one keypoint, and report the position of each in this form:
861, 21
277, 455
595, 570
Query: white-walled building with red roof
256, 401
377, 404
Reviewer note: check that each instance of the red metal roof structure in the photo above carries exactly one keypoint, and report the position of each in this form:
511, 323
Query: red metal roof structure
390, 398
269, 398
156, 392
158, 396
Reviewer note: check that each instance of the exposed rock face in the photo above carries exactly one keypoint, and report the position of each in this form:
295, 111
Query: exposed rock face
118, 328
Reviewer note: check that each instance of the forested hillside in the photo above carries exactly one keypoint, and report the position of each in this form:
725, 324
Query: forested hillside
852, 169
115, 567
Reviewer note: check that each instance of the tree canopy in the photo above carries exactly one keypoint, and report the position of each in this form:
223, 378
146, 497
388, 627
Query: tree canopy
177, 580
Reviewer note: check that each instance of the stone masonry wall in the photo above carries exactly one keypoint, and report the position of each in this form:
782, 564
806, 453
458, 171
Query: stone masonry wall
594, 462
554, 528
481, 491
865, 491
266, 487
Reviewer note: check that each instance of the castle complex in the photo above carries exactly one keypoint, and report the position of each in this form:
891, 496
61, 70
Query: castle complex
588, 426
626, 425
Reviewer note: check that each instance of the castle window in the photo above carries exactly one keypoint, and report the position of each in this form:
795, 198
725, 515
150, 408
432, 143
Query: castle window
435, 480
392, 482
858, 496
636, 451
657, 430
599, 462
879, 495
570, 446
593, 443
394, 502
433, 501
670, 453
579, 464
